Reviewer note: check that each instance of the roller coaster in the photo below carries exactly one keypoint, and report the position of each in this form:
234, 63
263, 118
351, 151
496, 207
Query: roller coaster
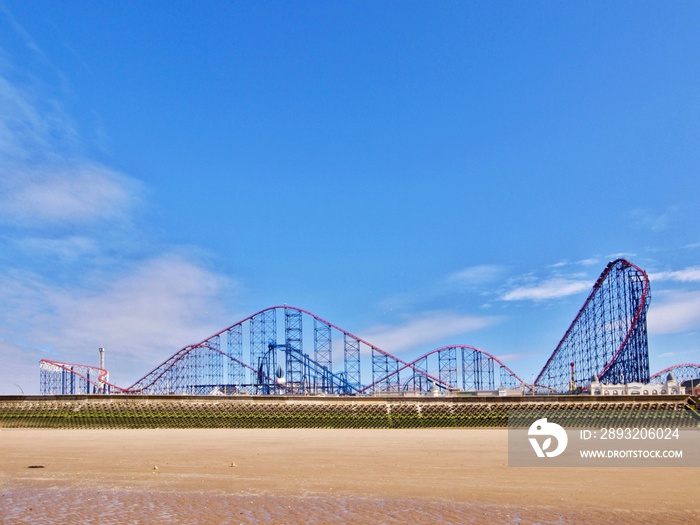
285, 350
684, 373
274, 367
608, 336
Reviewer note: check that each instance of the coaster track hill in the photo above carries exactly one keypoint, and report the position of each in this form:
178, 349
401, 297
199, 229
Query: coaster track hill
268, 353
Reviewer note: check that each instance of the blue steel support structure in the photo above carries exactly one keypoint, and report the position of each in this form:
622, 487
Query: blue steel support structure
351, 355
236, 371
607, 338
263, 333
687, 374
323, 352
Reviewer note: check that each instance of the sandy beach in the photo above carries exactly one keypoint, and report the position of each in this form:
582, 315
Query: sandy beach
317, 476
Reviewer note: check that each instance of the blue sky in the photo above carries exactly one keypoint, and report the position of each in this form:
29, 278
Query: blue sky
418, 173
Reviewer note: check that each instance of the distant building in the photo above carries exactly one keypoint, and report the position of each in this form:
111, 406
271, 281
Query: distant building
670, 387
693, 386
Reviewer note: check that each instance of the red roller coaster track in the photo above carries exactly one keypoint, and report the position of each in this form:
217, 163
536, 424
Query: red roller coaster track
415, 362
618, 301
607, 338
689, 366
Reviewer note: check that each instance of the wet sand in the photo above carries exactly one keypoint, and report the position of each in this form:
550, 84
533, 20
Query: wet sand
317, 476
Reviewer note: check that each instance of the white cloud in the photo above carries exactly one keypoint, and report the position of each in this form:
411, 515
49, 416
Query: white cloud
66, 248
21, 128
429, 329
687, 275
467, 280
554, 288
653, 220
77, 271
583, 262
674, 312
480, 274
164, 303
79, 194
45, 180
32, 131
621, 255
589, 262
141, 317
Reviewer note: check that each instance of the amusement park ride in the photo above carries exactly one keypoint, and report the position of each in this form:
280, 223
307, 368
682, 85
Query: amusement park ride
268, 353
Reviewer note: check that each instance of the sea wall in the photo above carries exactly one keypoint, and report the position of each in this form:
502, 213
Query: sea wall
126, 411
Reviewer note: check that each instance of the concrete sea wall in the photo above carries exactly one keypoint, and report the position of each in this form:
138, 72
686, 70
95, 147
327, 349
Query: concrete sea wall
122, 411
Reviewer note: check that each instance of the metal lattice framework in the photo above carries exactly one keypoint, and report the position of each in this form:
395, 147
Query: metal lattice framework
458, 367
276, 362
288, 350
608, 337
682, 372
68, 378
